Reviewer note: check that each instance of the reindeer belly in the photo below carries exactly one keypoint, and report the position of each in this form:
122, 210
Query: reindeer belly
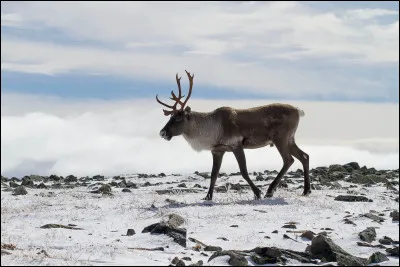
252, 143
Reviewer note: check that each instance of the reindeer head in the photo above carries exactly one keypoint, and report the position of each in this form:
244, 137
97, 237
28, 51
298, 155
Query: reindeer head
179, 117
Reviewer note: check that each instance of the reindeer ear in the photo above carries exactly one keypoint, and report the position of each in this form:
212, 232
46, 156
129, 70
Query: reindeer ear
188, 109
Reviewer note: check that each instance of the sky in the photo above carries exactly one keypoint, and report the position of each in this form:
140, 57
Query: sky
78, 79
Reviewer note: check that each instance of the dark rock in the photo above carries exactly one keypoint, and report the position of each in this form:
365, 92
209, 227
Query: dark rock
198, 263
180, 263
27, 182
324, 247
348, 260
20, 190
162, 175
130, 232
368, 235
393, 251
377, 257
175, 260
234, 225
126, 190
183, 185
212, 248
394, 215
270, 252
71, 179
352, 166
131, 185
235, 259
351, 198
308, 234
197, 186
13, 184
98, 178
373, 217
290, 226
385, 240
260, 178
263, 260
186, 259
275, 231
337, 168
42, 186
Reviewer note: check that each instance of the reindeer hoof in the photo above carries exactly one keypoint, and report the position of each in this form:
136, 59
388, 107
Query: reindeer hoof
207, 198
268, 195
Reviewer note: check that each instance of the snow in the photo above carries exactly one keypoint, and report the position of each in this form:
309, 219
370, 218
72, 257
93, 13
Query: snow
105, 220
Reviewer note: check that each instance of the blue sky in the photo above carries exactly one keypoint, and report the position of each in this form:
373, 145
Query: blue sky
341, 51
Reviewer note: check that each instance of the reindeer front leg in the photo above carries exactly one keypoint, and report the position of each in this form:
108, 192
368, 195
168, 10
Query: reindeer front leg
217, 160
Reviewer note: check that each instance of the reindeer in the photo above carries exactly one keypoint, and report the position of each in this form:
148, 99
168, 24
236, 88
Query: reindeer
228, 129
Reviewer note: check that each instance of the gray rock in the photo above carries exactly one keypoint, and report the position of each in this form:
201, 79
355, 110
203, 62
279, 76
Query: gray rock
348, 260
130, 232
71, 179
290, 226
212, 248
324, 247
393, 251
385, 240
20, 190
13, 184
235, 259
180, 263
183, 185
199, 263
42, 186
394, 215
175, 220
377, 257
126, 190
373, 217
368, 235
352, 198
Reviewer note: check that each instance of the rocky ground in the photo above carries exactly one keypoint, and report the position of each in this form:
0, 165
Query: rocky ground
350, 218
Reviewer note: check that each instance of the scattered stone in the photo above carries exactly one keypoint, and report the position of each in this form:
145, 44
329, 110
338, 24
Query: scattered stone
175, 260
393, 251
126, 190
183, 185
351, 198
308, 234
13, 184
235, 259
394, 215
275, 231
365, 244
5, 252
223, 238
368, 235
377, 257
42, 186
373, 217
180, 263
212, 248
199, 263
130, 232
348, 221
290, 226
323, 247
186, 259
385, 240
234, 225
54, 225
20, 190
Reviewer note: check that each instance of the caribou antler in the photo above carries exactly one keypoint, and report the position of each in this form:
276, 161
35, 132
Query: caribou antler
178, 98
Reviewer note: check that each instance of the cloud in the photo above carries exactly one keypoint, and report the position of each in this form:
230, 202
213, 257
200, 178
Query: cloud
48, 135
270, 48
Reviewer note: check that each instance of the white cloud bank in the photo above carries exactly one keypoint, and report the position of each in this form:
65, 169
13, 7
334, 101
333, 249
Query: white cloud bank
46, 135
227, 44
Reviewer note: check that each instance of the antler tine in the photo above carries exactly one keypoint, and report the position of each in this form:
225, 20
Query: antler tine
190, 88
168, 106
178, 81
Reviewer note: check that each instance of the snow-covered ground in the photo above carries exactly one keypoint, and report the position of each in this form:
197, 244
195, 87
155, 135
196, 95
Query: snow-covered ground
105, 220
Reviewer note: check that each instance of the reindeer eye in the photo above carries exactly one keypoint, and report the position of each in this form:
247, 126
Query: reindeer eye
178, 118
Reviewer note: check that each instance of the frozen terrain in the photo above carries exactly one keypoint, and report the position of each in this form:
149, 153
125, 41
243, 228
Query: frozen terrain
232, 221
